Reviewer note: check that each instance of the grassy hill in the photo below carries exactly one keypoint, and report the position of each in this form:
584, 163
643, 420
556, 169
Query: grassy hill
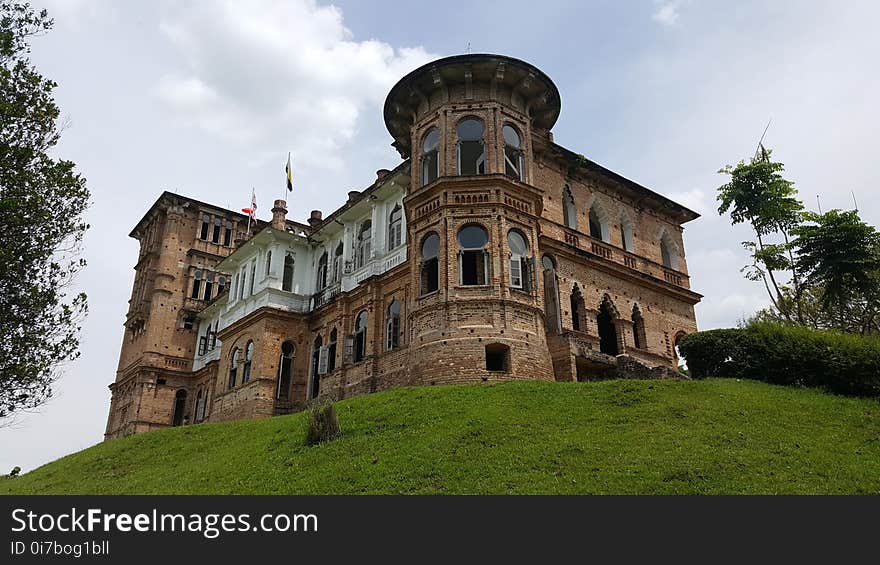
712, 436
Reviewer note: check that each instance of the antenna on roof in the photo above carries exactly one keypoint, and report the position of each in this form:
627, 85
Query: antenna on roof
856, 204
760, 151
818, 204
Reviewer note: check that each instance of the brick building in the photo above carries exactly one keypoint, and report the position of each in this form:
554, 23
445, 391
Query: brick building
490, 253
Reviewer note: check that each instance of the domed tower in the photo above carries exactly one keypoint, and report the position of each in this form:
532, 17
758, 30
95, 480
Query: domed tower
472, 212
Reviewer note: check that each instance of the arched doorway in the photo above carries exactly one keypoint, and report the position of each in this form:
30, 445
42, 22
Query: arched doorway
607, 332
179, 408
315, 383
285, 371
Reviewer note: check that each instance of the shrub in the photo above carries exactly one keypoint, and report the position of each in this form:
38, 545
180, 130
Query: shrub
323, 423
787, 355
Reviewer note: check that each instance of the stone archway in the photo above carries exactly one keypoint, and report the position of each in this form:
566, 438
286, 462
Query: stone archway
605, 320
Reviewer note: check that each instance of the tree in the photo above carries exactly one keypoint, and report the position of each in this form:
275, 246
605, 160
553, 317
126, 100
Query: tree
42, 203
759, 195
840, 253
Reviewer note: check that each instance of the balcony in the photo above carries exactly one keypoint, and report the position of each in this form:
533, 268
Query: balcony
617, 255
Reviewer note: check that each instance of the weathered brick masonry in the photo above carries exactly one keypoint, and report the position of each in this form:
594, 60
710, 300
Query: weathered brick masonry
490, 253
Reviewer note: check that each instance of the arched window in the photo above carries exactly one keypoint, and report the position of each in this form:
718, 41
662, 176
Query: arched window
471, 154
322, 272
268, 262
395, 228
392, 326
199, 407
430, 161
364, 244
209, 286
234, 287
227, 234
179, 408
568, 212
233, 367
248, 361
331, 351
337, 263
203, 233
285, 370
639, 338
253, 277
552, 314
626, 235
520, 277
606, 327
577, 310
360, 337
215, 238
430, 263
667, 253
197, 285
596, 230
513, 154
315, 381
287, 278
473, 260
221, 285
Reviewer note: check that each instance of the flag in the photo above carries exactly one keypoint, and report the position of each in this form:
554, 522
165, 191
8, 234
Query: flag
252, 211
289, 172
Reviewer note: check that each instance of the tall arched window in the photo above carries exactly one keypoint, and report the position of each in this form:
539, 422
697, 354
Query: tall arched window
179, 408
199, 407
315, 381
473, 260
595, 224
430, 160
337, 263
471, 152
203, 233
233, 367
209, 286
248, 362
552, 314
221, 285
577, 310
227, 234
364, 244
568, 212
285, 370
268, 262
215, 237
606, 327
430, 275
392, 326
331, 351
519, 263
395, 228
253, 277
513, 154
360, 337
639, 340
626, 234
321, 283
287, 278
667, 253
197, 285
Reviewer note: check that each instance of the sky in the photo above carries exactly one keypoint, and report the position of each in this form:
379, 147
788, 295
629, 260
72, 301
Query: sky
207, 98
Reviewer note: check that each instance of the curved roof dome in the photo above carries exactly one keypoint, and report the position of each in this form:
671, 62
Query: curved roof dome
535, 88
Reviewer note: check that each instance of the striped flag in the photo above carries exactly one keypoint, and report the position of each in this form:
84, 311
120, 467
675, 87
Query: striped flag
252, 211
289, 172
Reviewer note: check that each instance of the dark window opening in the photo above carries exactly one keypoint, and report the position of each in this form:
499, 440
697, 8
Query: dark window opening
577, 310
285, 370
233, 369
497, 357
331, 352
430, 279
287, 278
197, 285
315, 384
595, 225
215, 238
203, 234
360, 337
568, 211
209, 286
430, 162
392, 326
607, 331
322, 272
471, 154
638, 321
227, 236
179, 408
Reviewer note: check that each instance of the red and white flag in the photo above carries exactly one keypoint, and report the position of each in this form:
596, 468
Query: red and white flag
252, 211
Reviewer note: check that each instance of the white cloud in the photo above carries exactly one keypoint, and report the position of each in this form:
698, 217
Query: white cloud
666, 13
277, 72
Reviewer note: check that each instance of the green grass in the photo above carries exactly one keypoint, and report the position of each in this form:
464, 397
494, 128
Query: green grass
712, 436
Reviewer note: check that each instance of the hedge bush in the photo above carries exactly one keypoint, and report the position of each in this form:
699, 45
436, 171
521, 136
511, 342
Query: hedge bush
788, 355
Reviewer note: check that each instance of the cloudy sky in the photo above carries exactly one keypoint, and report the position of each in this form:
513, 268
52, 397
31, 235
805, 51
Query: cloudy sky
207, 98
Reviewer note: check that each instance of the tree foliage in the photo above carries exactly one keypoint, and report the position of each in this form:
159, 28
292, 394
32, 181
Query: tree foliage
42, 203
